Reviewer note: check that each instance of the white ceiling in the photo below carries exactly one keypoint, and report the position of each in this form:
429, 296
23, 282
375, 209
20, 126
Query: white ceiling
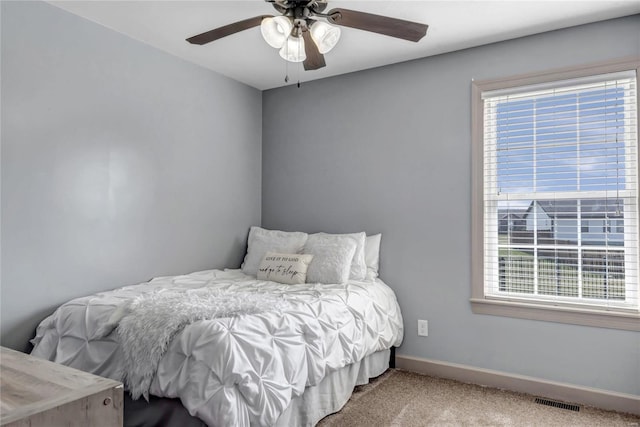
246, 57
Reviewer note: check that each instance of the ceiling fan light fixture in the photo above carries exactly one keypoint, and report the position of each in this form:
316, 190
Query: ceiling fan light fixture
293, 50
302, 32
326, 36
276, 30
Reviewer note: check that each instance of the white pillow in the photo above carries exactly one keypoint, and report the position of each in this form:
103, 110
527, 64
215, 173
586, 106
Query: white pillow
284, 268
372, 255
358, 269
331, 260
261, 241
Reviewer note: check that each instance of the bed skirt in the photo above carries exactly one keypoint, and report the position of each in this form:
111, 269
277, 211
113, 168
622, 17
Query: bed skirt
327, 397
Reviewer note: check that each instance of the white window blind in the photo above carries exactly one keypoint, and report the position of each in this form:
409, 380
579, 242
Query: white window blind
561, 192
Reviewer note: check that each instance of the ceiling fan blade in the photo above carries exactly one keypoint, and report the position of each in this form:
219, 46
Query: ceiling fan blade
227, 30
393, 27
314, 59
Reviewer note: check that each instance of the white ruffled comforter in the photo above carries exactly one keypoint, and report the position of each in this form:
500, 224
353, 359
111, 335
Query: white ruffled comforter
240, 370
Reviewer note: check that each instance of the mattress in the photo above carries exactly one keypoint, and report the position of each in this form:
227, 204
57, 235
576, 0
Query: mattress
242, 369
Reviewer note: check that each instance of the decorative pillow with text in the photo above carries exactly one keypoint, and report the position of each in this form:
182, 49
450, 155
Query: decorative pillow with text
284, 268
261, 241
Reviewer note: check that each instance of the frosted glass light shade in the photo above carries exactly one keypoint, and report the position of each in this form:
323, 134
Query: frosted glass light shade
293, 50
276, 30
326, 36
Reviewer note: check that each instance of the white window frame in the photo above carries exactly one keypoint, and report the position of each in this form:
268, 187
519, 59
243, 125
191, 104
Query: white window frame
553, 311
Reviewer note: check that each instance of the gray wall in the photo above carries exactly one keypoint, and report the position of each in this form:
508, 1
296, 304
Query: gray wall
119, 163
389, 150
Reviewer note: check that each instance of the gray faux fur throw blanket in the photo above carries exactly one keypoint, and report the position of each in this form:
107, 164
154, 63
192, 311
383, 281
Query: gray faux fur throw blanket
147, 325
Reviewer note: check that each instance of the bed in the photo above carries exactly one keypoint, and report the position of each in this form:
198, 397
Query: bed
233, 347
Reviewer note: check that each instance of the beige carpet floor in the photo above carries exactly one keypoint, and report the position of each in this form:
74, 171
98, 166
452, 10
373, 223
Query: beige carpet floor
400, 398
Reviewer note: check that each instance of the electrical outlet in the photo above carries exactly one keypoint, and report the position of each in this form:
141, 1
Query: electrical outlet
423, 328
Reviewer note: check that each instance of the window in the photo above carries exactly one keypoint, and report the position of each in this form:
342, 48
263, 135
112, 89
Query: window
555, 226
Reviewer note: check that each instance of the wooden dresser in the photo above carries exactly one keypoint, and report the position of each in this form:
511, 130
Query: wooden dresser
36, 392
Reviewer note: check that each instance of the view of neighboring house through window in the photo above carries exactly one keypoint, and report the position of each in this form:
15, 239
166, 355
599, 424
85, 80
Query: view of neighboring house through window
560, 213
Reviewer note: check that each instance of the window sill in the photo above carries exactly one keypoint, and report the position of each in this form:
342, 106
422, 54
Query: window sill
559, 314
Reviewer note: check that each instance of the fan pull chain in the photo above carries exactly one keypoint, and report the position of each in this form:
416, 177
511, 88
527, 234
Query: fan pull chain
286, 71
299, 63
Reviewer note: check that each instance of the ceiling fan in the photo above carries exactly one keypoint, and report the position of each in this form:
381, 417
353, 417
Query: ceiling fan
301, 37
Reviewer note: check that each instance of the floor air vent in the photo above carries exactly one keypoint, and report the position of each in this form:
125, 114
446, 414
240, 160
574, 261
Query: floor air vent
557, 404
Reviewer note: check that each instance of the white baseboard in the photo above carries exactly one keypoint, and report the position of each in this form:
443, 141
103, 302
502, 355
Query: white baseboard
588, 396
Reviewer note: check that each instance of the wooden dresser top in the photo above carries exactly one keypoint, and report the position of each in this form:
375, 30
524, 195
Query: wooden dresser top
29, 385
